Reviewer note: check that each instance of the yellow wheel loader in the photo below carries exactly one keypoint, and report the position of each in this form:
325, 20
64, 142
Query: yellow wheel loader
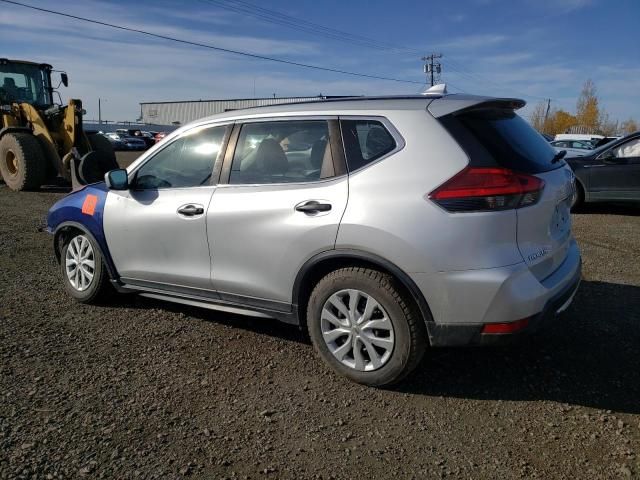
41, 139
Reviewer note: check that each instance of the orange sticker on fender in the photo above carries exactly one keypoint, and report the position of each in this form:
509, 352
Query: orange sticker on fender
89, 205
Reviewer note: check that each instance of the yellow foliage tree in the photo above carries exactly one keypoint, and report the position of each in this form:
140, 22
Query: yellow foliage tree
587, 110
560, 122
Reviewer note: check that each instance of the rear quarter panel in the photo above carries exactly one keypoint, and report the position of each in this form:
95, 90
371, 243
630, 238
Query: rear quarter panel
389, 215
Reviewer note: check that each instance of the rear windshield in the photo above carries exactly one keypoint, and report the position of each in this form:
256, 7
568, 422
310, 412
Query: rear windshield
499, 137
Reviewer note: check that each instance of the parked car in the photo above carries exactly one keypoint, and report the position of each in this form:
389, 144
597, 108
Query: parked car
585, 137
379, 225
127, 142
139, 134
115, 141
610, 173
159, 136
574, 148
604, 141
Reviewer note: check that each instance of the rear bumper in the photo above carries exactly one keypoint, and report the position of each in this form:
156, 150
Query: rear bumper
502, 296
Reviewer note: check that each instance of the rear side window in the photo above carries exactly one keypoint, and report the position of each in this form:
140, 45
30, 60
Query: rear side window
365, 141
499, 137
282, 152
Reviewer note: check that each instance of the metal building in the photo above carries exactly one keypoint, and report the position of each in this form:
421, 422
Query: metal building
179, 113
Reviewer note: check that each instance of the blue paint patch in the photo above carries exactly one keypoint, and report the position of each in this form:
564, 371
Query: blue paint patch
69, 211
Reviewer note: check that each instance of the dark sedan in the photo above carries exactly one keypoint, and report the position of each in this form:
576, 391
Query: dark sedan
610, 173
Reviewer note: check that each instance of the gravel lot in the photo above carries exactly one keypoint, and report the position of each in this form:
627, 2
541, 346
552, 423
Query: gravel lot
140, 388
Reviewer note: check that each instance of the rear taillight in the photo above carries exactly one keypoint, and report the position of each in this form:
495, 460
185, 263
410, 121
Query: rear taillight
480, 189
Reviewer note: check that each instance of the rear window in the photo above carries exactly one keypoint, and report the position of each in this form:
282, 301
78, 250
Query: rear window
496, 137
365, 141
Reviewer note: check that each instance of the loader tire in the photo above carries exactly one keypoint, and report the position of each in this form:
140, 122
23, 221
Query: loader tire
22, 162
100, 144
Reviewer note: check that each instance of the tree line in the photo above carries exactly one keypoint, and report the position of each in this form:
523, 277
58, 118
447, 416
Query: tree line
590, 117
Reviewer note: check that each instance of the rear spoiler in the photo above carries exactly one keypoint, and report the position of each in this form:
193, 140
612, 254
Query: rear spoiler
440, 107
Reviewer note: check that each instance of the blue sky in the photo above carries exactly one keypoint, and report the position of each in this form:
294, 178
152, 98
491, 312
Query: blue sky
531, 49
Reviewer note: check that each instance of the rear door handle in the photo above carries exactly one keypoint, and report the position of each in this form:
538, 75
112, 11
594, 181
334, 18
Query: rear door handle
191, 210
313, 206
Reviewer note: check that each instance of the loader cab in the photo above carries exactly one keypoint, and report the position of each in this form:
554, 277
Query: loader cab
25, 82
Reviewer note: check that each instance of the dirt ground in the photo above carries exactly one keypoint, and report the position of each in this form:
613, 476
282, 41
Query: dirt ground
145, 389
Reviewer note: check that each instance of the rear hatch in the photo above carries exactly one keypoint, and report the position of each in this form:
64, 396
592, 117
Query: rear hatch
493, 135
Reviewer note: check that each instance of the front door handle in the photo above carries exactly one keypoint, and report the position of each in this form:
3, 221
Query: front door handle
313, 206
191, 210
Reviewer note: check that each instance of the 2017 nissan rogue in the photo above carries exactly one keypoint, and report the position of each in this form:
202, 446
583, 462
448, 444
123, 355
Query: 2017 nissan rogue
381, 226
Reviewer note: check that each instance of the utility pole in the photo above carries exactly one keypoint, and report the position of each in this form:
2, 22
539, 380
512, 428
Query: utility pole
431, 67
99, 113
546, 114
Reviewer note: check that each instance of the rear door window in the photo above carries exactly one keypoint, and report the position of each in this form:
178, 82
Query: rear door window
365, 141
499, 137
282, 152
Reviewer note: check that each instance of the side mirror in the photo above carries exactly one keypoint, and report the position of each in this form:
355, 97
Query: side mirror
64, 78
117, 179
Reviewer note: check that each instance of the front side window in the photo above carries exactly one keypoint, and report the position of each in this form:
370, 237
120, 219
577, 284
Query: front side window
282, 152
365, 141
628, 150
186, 162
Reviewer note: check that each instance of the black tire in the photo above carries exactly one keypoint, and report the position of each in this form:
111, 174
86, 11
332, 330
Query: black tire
578, 198
410, 337
100, 144
99, 161
22, 162
99, 289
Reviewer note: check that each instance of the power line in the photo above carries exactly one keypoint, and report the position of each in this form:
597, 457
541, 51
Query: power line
296, 23
272, 16
211, 47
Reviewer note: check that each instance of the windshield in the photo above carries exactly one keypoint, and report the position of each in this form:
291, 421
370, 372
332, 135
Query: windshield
21, 82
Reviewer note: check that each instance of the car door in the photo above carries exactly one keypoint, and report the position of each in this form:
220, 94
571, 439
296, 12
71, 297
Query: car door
615, 174
282, 193
156, 230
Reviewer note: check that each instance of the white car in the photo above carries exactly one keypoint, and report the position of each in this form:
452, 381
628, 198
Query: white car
574, 148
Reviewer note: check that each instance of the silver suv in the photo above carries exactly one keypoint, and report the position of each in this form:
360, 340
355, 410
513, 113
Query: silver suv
380, 226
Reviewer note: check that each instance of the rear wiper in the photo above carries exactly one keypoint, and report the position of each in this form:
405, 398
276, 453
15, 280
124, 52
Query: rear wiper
558, 156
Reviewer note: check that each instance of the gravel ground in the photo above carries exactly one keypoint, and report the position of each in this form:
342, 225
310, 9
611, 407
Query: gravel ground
140, 388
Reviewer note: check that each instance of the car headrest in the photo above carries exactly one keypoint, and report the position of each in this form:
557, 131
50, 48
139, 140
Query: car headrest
272, 157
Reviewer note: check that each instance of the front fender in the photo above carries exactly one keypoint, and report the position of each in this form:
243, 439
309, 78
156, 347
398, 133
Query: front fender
82, 210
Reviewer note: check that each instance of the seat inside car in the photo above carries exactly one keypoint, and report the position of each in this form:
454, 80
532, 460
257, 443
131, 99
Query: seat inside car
271, 158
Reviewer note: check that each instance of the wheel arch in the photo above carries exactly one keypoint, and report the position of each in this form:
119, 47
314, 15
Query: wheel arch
65, 229
321, 264
4, 131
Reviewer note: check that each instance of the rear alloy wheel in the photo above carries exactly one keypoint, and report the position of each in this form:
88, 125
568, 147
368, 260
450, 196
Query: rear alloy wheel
357, 330
22, 162
365, 326
84, 273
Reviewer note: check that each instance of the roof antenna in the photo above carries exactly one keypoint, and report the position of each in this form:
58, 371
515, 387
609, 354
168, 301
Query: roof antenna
440, 89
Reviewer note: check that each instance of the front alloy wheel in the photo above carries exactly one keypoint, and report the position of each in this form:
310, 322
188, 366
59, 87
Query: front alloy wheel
84, 273
80, 263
